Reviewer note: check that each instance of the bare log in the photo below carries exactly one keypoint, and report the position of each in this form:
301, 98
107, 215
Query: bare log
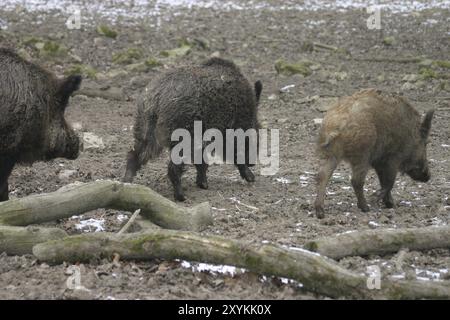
317, 273
20, 240
79, 198
381, 241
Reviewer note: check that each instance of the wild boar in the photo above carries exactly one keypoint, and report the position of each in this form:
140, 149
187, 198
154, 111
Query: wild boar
32, 124
214, 92
373, 129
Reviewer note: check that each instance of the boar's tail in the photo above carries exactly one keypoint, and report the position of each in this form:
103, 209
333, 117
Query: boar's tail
325, 143
146, 145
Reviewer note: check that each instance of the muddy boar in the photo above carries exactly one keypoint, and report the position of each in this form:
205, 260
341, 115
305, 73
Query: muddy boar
373, 129
214, 92
32, 124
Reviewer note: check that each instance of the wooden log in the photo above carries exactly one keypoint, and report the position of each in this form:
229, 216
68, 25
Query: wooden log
381, 241
79, 198
317, 273
20, 240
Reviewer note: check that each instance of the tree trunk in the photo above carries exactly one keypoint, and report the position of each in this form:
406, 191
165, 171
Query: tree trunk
380, 242
317, 273
79, 198
20, 240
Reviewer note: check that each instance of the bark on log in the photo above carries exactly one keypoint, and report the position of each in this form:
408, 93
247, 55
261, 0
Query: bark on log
20, 240
380, 242
79, 198
317, 273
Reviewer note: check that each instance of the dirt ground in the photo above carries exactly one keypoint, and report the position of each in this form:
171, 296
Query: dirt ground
279, 208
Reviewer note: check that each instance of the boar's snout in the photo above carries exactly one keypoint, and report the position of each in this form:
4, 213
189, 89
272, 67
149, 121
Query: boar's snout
420, 174
73, 147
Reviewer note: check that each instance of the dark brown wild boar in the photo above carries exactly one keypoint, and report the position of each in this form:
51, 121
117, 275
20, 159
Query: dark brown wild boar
32, 124
215, 93
373, 129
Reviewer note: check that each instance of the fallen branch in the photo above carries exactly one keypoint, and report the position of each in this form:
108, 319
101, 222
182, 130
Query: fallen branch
380, 242
317, 273
20, 240
79, 198
129, 222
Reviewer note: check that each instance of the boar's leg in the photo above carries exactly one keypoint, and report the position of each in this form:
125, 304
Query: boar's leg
386, 175
246, 173
6, 166
175, 172
202, 180
359, 172
323, 177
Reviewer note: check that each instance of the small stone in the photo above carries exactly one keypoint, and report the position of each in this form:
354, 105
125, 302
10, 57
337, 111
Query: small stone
373, 225
411, 78
409, 86
318, 121
91, 141
215, 54
77, 126
115, 73
287, 88
67, 174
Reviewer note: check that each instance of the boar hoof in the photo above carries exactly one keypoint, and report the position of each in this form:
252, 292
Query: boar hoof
364, 207
389, 204
246, 173
180, 197
320, 213
250, 178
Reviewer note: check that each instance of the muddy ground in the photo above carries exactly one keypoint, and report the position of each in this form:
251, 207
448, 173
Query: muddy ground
254, 39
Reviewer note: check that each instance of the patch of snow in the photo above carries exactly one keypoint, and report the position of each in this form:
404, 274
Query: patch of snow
214, 269
142, 8
287, 88
373, 224
283, 180
122, 217
423, 274
398, 276
91, 225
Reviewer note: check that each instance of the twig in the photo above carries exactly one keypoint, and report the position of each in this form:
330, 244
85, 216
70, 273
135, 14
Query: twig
130, 222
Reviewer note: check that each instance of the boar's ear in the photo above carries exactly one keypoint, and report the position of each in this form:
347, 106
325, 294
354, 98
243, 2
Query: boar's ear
426, 124
258, 90
67, 87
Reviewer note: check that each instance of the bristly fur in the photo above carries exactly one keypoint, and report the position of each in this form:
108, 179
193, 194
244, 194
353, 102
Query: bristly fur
374, 129
214, 92
32, 125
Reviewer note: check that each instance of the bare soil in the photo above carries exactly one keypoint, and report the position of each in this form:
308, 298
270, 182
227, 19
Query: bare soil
254, 39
